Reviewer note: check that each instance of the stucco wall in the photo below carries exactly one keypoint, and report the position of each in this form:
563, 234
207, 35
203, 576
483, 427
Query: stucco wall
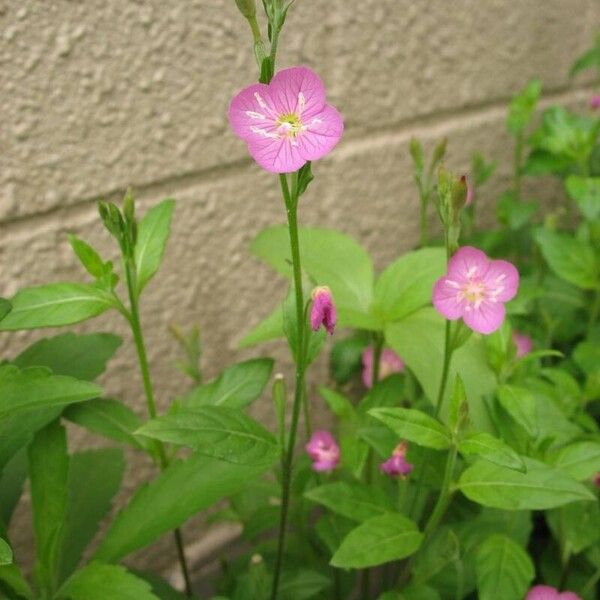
98, 95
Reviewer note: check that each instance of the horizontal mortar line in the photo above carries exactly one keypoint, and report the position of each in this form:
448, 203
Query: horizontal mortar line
439, 123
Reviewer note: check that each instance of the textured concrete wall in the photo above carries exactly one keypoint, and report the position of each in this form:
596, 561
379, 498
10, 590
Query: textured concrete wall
98, 95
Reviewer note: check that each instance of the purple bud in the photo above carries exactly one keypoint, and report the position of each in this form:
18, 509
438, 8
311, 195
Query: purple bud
323, 450
323, 309
397, 465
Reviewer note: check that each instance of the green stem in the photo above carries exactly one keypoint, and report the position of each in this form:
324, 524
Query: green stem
424, 221
518, 159
136, 328
291, 203
594, 310
445, 369
590, 583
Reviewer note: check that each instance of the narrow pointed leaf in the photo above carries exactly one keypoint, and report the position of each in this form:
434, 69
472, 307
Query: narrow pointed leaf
55, 305
580, 460
6, 555
491, 449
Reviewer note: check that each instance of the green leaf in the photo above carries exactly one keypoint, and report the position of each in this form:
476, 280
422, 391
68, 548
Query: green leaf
269, 328
588, 59
379, 540
236, 387
491, 449
587, 356
571, 259
504, 569
5, 308
540, 488
94, 478
419, 338
405, 286
217, 431
459, 407
520, 404
11, 575
183, 489
6, 555
522, 107
109, 418
55, 305
88, 257
152, 236
337, 403
79, 356
330, 258
12, 478
16, 431
576, 525
515, 212
355, 501
37, 388
97, 581
48, 472
586, 193
580, 460
302, 584
415, 426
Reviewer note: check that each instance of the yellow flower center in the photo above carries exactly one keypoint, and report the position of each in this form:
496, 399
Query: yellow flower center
290, 125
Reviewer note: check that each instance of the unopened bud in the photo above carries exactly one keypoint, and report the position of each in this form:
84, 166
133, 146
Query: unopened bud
247, 8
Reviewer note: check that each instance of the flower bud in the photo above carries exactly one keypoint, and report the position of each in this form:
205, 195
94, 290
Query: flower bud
324, 451
323, 309
247, 8
397, 465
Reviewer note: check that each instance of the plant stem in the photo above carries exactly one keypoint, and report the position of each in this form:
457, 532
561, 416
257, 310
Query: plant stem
445, 369
423, 221
518, 159
291, 204
590, 583
136, 328
594, 310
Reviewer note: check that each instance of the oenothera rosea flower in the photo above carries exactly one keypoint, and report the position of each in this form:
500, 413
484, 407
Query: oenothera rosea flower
389, 363
475, 289
322, 311
323, 450
523, 343
545, 592
595, 102
397, 465
287, 122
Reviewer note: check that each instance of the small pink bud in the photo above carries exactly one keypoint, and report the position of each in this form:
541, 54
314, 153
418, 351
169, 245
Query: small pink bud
397, 465
470, 191
523, 343
323, 450
389, 363
323, 309
595, 102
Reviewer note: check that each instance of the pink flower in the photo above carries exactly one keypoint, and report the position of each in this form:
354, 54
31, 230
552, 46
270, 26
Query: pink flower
523, 343
397, 465
323, 309
595, 102
287, 122
389, 363
596, 480
475, 289
323, 450
545, 592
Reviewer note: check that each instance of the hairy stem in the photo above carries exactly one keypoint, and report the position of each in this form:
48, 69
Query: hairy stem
291, 203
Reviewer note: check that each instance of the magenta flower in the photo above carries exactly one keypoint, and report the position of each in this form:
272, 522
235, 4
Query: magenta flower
545, 592
523, 343
475, 289
323, 309
323, 450
397, 465
389, 363
287, 122
595, 102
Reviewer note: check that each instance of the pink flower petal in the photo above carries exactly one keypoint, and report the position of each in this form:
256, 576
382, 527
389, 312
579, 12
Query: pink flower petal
298, 90
487, 318
446, 298
502, 275
323, 132
568, 596
251, 111
467, 262
542, 592
276, 155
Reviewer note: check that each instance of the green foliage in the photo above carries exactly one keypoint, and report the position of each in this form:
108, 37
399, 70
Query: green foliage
98, 581
55, 305
539, 488
504, 569
216, 431
585, 191
236, 387
37, 388
491, 449
378, 540
152, 235
79, 356
6, 555
184, 488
